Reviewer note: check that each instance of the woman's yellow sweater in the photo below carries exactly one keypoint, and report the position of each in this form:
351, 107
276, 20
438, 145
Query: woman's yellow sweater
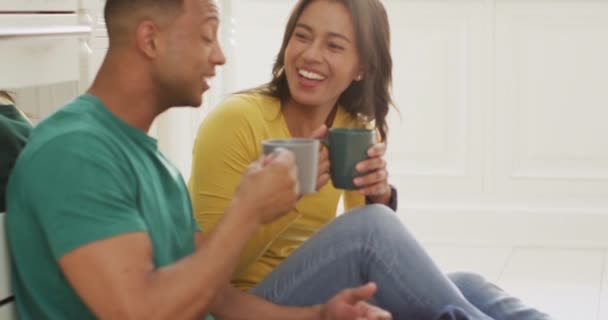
228, 140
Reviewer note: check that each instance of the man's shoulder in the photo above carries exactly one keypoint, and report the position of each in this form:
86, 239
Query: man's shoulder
72, 129
74, 122
73, 152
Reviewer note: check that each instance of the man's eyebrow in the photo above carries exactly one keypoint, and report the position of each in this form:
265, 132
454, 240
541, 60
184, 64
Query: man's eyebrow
212, 13
210, 19
331, 34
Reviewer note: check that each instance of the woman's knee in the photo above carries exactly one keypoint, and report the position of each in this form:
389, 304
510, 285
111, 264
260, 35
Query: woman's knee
373, 217
467, 282
371, 224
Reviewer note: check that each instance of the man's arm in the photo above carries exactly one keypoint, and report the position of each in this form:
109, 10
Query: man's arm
233, 304
116, 276
117, 279
349, 304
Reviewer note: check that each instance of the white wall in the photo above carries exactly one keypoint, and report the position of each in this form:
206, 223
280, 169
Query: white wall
503, 108
501, 134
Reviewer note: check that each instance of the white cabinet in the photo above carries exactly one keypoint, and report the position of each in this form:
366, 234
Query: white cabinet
502, 130
551, 98
41, 43
8, 312
440, 54
7, 306
5, 290
38, 5
44, 43
40, 49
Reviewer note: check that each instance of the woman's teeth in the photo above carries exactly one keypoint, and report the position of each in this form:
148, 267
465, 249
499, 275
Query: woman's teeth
310, 75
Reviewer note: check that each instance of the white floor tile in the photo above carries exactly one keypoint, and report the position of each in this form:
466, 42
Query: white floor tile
564, 283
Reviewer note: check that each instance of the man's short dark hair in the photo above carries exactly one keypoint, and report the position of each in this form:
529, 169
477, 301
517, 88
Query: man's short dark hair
115, 9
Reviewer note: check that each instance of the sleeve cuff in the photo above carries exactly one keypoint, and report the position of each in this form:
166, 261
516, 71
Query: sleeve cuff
392, 203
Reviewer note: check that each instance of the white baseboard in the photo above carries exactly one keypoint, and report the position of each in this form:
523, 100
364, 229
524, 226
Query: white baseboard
505, 226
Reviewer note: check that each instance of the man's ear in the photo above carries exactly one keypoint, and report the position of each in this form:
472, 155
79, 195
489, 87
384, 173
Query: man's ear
147, 36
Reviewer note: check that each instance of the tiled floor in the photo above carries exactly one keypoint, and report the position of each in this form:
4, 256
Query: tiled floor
569, 284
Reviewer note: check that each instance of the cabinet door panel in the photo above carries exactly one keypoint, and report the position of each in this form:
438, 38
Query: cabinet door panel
8, 312
38, 5
39, 49
5, 290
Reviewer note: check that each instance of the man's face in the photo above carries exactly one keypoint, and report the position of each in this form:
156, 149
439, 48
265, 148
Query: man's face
190, 53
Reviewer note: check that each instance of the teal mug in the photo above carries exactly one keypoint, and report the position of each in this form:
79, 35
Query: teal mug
347, 147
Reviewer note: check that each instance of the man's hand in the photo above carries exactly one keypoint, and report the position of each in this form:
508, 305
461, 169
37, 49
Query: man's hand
350, 304
270, 186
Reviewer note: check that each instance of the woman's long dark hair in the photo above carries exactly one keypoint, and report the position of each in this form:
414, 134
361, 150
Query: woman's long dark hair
370, 97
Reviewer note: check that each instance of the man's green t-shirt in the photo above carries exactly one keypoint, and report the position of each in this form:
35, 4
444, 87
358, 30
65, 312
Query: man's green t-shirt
14, 132
86, 175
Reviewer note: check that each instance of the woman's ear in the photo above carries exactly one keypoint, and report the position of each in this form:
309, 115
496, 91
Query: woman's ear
361, 73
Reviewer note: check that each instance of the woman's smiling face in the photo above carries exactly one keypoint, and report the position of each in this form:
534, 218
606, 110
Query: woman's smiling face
321, 58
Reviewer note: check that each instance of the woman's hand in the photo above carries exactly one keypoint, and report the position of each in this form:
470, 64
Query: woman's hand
374, 185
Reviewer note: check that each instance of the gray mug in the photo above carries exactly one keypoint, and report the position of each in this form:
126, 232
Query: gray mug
306, 152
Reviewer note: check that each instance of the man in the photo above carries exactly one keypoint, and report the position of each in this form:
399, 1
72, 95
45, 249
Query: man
99, 222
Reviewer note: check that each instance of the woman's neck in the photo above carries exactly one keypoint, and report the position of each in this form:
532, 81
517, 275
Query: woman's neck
303, 120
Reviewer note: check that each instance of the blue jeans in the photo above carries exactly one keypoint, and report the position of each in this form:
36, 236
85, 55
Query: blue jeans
371, 244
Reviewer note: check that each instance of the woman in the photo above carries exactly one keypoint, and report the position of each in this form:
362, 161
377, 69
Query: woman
333, 70
14, 131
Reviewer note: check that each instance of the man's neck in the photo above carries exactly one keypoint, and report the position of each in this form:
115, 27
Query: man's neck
127, 91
